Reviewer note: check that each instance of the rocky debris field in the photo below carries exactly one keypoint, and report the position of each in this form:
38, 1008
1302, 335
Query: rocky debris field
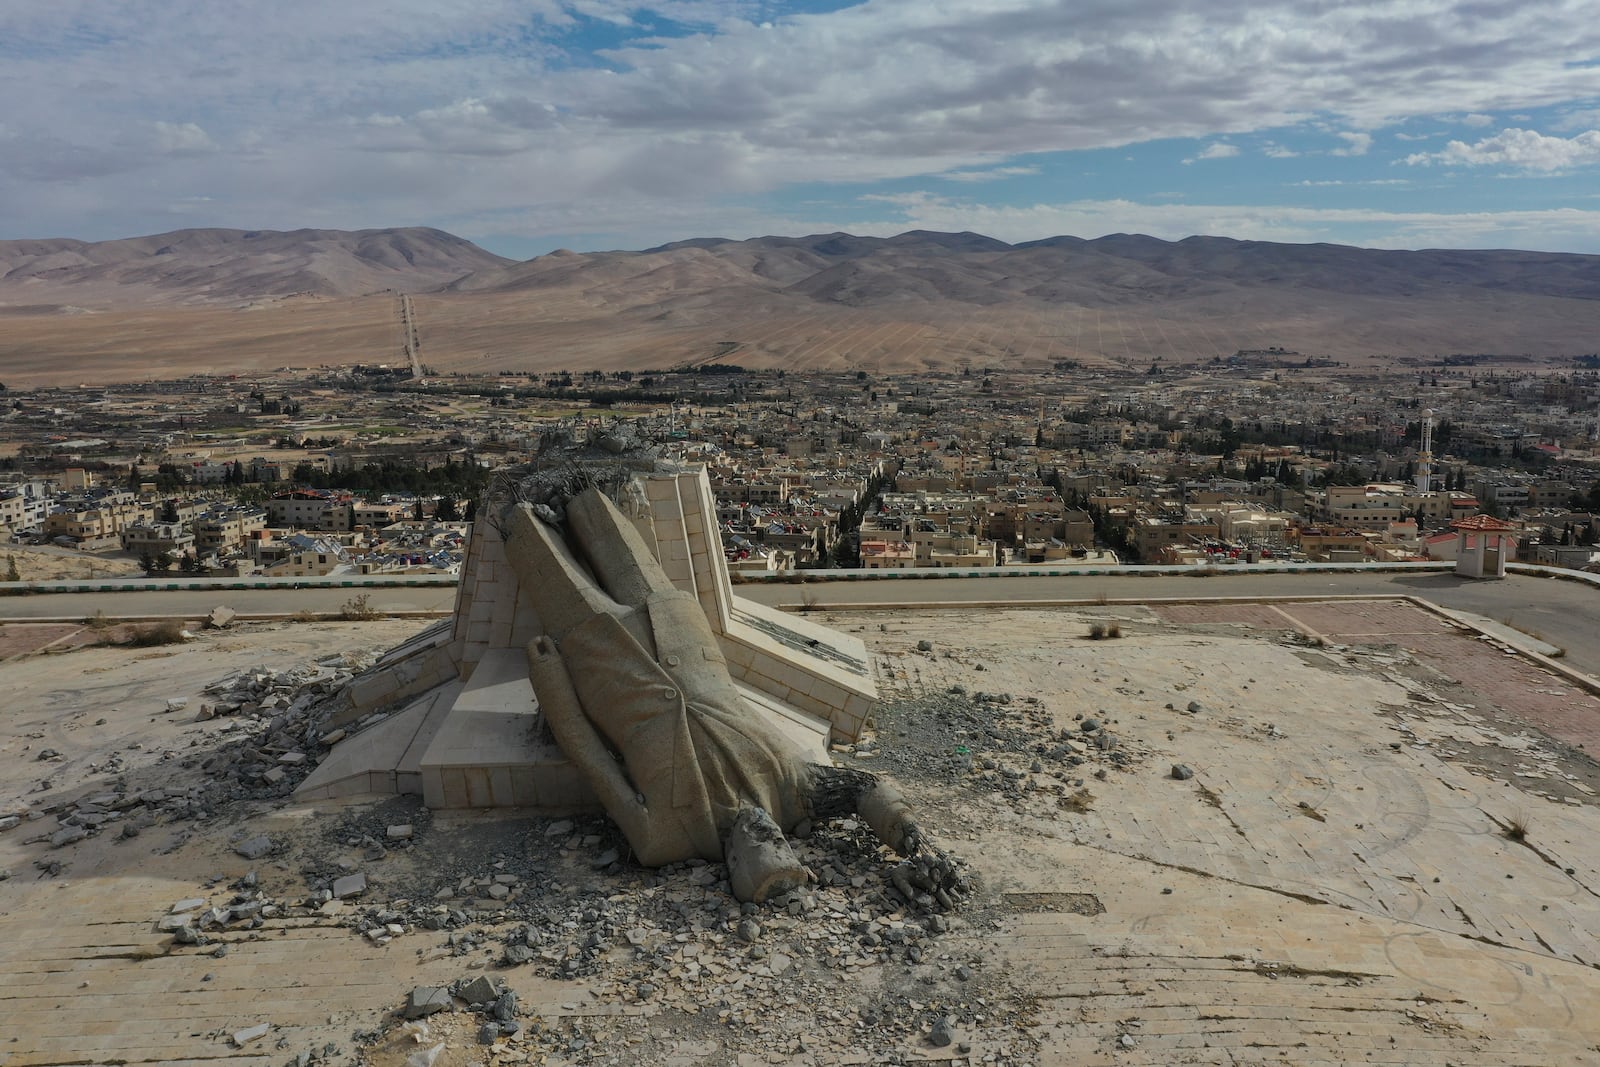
1006, 748
873, 952
273, 738
1159, 824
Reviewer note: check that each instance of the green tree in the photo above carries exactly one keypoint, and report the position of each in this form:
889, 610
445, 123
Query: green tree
12, 573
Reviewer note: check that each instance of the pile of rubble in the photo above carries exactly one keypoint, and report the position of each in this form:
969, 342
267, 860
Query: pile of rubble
281, 733
998, 745
674, 941
273, 738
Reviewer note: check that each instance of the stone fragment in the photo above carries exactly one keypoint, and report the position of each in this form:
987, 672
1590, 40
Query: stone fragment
942, 1034
220, 617
1195, 707
273, 776
351, 885
69, 836
924, 646
400, 832
241, 1038
1182, 771
425, 1000
9, 822
479, 990
258, 847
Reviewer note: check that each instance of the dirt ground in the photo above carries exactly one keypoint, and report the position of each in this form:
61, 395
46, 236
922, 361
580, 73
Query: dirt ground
1203, 841
44, 563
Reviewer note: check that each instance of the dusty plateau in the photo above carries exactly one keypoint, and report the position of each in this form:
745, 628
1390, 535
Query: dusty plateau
1301, 834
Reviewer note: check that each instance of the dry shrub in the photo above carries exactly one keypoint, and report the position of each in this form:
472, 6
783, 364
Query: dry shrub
165, 632
359, 609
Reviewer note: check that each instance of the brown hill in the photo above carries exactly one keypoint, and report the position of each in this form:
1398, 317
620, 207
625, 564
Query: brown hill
826, 301
229, 267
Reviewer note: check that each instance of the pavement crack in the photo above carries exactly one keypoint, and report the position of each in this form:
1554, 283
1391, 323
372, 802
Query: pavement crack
1304, 898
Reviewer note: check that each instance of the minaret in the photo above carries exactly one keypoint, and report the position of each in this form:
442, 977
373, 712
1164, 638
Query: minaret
1425, 453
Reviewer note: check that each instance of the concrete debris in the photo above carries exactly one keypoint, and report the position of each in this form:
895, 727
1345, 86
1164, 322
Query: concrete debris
266, 726
241, 1038
427, 1000
477, 992
255, 848
220, 617
69, 836
351, 885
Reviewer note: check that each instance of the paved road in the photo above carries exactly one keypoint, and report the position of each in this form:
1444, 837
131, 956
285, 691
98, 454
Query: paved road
1563, 613
439, 598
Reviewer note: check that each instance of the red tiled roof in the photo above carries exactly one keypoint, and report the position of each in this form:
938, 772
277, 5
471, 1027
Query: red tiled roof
1484, 524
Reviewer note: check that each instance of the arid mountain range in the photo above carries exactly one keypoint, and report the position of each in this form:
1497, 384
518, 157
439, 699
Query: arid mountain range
229, 300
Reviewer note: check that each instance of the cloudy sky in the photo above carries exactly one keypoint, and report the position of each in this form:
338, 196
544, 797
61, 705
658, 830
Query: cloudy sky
528, 125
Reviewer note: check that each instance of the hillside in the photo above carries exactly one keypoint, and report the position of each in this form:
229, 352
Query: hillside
212, 267
172, 303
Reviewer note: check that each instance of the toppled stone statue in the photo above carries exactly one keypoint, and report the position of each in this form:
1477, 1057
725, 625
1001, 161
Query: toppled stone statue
635, 690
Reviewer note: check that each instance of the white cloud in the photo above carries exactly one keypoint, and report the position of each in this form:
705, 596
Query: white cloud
988, 174
1564, 229
384, 112
1477, 119
1581, 119
1278, 151
182, 139
1355, 144
1313, 184
1217, 150
1523, 149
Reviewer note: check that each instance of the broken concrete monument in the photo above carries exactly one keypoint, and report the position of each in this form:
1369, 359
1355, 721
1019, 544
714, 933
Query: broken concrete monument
629, 667
599, 660
452, 715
